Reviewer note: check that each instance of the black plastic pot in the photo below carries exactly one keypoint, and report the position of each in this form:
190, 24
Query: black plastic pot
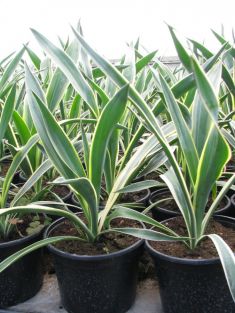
232, 214
19, 178
97, 284
160, 213
68, 198
143, 201
192, 286
23, 279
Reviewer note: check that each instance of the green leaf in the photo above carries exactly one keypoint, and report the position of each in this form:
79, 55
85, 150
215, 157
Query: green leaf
147, 234
130, 71
10, 69
18, 158
144, 61
35, 208
206, 90
182, 53
186, 209
56, 143
59, 81
70, 70
225, 73
33, 84
34, 58
142, 107
40, 171
227, 259
217, 201
215, 147
124, 212
7, 112
84, 187
184, 135
200, 116
34, 246
24, 135
107, 122
133, 166
139, 186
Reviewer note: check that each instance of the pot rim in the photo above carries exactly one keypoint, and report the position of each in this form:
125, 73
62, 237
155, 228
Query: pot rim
92, 258
162, 209
193, 262
232, 199
19, 241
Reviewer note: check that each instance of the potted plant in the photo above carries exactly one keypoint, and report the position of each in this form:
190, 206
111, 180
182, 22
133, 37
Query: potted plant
23, 279
206, 154
89, 227
113, 255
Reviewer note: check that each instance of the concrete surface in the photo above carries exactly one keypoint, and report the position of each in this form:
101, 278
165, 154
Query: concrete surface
48, 299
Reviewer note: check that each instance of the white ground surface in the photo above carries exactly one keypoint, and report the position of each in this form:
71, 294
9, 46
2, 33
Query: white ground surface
48, 300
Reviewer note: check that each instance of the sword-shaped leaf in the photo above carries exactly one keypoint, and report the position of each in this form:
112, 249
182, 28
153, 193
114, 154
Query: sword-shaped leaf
68, 67
107, 122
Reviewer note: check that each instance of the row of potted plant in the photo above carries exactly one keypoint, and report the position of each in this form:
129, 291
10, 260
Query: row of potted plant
104, 134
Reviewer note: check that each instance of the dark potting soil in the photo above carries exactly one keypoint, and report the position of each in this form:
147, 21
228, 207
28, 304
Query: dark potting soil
171, 205
152, 176
126, 198
133, 196
4, 168
231, 163
168, 204
205, 249
108, 243
21, 225
61, 191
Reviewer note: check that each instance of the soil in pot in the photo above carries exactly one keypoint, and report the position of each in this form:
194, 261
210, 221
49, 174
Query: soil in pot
23, 279
206, 248
168, 208
193, 281
24, 226
140, 197
98, 278
63, 192
4, 168
154, 176
108, 243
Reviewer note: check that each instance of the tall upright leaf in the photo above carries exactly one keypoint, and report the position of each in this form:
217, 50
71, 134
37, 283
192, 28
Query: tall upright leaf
107, 122
70, 70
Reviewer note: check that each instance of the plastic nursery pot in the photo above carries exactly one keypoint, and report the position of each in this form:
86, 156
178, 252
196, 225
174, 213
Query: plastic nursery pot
160, 213
232, 214
97, 284
143, 200
66, 197
23, 279
67, 200
194, 286
19, 178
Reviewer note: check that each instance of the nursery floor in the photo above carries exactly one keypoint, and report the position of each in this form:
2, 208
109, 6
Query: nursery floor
48, 300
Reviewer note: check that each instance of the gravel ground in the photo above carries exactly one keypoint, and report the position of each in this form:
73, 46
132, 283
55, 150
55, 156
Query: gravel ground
48, 300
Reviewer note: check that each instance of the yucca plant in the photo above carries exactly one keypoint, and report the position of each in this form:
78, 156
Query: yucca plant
198, 149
